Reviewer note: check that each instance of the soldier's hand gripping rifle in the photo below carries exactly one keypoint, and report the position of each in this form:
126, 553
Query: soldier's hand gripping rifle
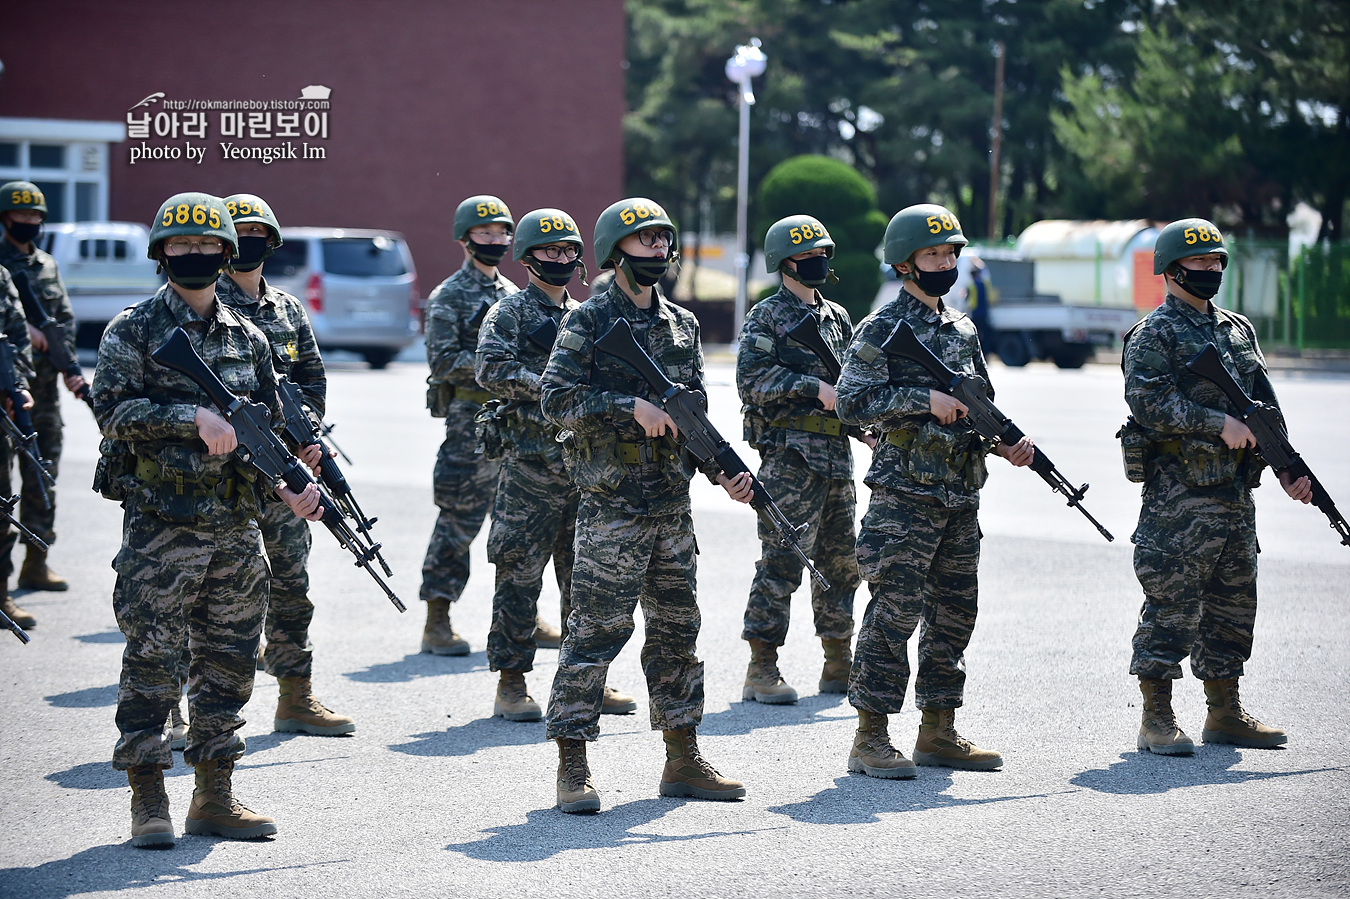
20, 428
1266, 426
259, 445
62, 359
983, 415
6, 621
698, 435
302, 431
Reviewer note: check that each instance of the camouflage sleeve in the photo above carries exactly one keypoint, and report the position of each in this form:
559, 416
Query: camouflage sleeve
566, 395
442, 333
267, 378
497, 367
123, 409
63, 312
866, 395
760, 379
1152, 392
308, 372
15, 328
710, 468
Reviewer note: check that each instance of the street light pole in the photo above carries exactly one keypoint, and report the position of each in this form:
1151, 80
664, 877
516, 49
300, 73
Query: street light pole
747, 63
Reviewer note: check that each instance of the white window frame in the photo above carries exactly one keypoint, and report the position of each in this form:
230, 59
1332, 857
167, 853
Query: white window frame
87, 158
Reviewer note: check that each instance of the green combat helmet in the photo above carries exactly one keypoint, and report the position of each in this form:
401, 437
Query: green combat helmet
17, 195
543, 226
1187, 237
792, 235
481, 210
629, 217
195, 215
249, 208
917, 227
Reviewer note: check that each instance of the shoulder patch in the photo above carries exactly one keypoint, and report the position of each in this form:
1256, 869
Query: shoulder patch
571, 340
868, 353
763, 344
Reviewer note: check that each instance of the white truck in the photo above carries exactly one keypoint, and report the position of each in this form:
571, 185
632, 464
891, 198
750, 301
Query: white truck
105, 270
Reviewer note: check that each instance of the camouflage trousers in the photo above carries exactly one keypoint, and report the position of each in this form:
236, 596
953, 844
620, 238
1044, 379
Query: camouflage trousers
1195, 557
920, 559
289, 611
47, 422
463, 487
533, 518
8, 535
826, 507
622, 561
200, 587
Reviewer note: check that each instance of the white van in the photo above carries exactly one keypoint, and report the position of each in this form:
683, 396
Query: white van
105, 270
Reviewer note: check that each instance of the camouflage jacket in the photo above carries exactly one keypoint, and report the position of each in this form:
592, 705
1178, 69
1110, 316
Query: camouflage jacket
779, 378
51, 293
15, 330
148, 412
592, 396
281, 318
452, 341
942, 461
1180, 410
509, 364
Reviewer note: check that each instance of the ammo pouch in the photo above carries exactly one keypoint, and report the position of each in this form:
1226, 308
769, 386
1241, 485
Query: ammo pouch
488, 430
174, 488
593, 459
439, 394
115, 473
1135, 450
1202, 462
934, 454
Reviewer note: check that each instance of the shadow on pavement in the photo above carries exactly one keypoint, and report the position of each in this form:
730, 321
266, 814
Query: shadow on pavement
101, 775
466, 739
108, 636
1143, 772
90, 698
743, 717
548, 832
859, 799
418, 665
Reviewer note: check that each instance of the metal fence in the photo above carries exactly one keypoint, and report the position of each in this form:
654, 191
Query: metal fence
1301, 301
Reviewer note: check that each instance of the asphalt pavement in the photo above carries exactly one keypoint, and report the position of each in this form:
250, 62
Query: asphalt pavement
434, 797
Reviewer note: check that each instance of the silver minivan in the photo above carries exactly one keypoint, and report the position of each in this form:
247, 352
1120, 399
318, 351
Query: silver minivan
359, 288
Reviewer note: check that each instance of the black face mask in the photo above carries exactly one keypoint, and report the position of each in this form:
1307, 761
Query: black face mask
488, 253
644, 271
813, 271
195, 270
935, 284
22, 232
252, 252
553, 273
1202, 284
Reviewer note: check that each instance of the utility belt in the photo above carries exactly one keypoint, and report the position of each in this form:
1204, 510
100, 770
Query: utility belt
225, 487
811, 424
1197, 462
900, 437
440, 393
469, 394
1173, 448
661, 451
933, 454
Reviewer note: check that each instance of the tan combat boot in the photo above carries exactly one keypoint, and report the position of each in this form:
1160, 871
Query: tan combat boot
838, 663
616, 703
1158, 731
1228, 722
150, 824
215, 811
513, 700
546, 636
298, 712
438, 637
23, 619
576, 791
35, 575
872, 752
763, 682
939, 745
687, 772
178, 728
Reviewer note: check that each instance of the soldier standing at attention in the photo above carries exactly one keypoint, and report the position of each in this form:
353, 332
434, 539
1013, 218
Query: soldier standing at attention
191, 571
635, 537
295, 357
14, 329
23, 209
464, 482
806, 459
535, 512
919, 547
1195, 547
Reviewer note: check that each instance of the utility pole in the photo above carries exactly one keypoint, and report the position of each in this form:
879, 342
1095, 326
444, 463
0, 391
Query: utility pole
997, 147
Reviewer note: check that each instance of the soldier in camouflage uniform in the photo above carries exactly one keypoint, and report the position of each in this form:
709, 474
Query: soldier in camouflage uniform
22, 211
1195, 547
295, 356
635, 537
14, 329
191, 570
807, 463
919, 546
534, 516
464, 481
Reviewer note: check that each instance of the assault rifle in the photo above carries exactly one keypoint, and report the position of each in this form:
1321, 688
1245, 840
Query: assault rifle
62, 359
476, 320
302, 431
7, 504
807, 333
983, 415
252, 423
20, 428
687, 409
1272, 441
6, 621
544, 334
